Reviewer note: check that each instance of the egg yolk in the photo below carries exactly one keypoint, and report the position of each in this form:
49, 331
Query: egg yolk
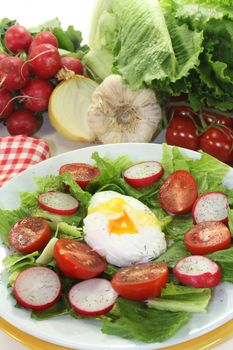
122, 225
128, 219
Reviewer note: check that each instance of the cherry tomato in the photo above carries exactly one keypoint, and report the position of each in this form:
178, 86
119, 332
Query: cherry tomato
82, 173
180, 111
29, 234
178, 192
141, 281
218, 141
77, 260
207, 237
212, 117
182, 132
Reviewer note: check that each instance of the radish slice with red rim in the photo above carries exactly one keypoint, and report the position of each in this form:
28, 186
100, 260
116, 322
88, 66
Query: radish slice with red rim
143, 174
211, 206
58, 202
37, 288
198, 271
92, 297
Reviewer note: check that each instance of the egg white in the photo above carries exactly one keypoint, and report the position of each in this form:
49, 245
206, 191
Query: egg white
126, 248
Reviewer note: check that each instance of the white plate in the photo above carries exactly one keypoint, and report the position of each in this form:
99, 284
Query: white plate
86, 334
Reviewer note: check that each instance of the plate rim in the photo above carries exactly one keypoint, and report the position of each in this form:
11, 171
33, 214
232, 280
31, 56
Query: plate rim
90, 150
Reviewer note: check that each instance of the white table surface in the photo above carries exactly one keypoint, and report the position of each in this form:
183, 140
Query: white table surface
77, 13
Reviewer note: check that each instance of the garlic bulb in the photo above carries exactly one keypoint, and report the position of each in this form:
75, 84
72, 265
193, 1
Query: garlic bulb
118, 114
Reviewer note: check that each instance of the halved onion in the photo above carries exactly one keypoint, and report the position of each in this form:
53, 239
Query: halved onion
68, 106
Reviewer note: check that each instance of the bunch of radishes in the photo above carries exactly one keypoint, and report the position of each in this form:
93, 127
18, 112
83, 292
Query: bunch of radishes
27, 72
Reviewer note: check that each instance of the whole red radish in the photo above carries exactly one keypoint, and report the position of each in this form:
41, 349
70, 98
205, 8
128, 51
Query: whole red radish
44, 61
37, 93
7, 104
3, 55
14, 73
73, 64
22, 122
17, 38
44, 38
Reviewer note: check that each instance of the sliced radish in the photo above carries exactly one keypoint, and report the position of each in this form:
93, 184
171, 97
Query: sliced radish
143, 174
58, 202
211, 206
37, 288
92, 297
198, 271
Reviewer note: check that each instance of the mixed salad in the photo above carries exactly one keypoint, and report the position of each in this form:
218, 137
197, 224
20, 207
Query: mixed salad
124, 243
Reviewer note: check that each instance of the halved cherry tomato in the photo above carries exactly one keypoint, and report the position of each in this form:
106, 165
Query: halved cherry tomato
178, 192
29, 234
218, 141
82, 173
182, 132
141, 281
207, 237
77, 260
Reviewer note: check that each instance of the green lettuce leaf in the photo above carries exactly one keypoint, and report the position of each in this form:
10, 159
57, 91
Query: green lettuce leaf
230, 220
59, 309
224, 258
110, 171
181, 298
75, 190
174, 253
162, 50
17, 261
134, 320
8, 218
178, 227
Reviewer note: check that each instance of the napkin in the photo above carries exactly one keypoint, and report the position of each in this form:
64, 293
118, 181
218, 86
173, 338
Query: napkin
17, 153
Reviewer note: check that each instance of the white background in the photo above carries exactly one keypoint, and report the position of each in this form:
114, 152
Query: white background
30, 13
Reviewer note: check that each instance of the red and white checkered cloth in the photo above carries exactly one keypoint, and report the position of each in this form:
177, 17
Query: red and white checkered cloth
17, 153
